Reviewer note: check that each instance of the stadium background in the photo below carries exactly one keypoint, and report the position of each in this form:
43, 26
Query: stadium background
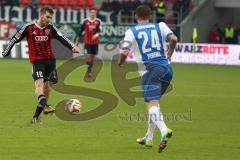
203, 108
181, 16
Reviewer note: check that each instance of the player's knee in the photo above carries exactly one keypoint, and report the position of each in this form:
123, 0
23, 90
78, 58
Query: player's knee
39, 89
153, 103
47, 90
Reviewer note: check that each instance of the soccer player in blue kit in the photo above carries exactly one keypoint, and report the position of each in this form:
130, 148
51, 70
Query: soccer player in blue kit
148, 44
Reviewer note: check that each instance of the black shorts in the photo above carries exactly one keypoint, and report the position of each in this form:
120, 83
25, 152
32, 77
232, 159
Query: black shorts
91, 49
45, 69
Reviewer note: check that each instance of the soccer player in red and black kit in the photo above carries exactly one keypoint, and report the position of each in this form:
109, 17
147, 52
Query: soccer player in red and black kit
39, 35
91, 26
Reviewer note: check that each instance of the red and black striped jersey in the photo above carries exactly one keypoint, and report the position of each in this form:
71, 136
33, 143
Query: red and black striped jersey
90, 27
39, 41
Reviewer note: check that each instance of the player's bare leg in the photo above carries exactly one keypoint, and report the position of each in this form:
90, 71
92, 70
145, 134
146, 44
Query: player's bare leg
47, 89
39, 91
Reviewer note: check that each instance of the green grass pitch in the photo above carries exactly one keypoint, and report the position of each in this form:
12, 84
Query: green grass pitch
203, 110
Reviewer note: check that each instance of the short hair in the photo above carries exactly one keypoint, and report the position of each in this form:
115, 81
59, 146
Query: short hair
46, 9
92, 9
143, 12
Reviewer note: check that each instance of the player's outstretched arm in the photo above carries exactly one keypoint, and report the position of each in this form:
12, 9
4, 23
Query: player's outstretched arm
126, 47
77, 39
18, 36
64, 40
172, 45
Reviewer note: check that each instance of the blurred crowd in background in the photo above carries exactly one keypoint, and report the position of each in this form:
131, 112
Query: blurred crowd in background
229, 34
171, 11
53, 3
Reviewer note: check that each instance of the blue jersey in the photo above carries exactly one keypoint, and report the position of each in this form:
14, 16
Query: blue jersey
148, 42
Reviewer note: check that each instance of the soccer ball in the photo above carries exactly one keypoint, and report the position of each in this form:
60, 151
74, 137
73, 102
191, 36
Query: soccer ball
73, 106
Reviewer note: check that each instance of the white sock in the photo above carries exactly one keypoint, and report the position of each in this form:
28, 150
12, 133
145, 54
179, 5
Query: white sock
157, 118
151, 129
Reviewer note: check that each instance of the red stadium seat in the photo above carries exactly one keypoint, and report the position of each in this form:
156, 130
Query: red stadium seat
89, 3
61, 2
43, 2
72, 3
170, 20
80, 3
48, 2
25, 2
52, 2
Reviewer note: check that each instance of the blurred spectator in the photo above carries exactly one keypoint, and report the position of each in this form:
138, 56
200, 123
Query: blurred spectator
177, 6
2, 2
12, 2
148, 3
229, 34
127, 8
116, 8
124, 7
237, 35
106, 5
133, 4
116, 5
185, 6
176, 10
160, 10
182, 7
214, 35
34, 2
221, 33
136, 3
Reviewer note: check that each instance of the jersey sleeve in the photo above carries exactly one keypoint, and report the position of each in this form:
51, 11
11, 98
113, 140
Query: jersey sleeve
82, 28
17, 37
128, 41
59, 36
99, 27
166, 31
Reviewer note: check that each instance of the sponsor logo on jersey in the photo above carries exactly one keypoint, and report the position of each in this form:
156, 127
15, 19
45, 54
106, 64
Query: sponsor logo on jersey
92, 27
41, 38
